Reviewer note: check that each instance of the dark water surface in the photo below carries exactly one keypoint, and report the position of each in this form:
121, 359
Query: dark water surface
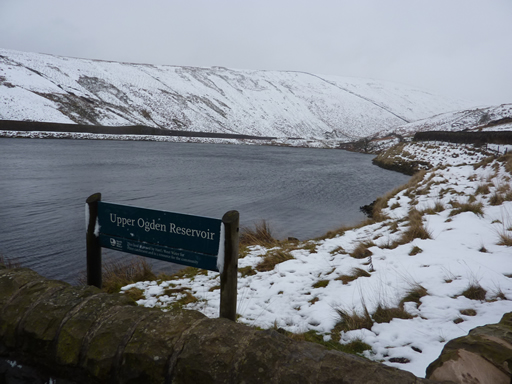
44, 184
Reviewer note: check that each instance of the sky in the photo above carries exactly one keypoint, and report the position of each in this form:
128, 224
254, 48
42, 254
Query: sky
457, 48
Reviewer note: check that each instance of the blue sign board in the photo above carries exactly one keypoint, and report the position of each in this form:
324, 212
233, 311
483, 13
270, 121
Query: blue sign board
183, 239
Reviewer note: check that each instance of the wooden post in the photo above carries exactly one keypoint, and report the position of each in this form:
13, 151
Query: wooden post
229, 275
93, 242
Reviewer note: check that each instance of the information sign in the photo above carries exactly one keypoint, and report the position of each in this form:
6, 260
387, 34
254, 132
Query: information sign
178, 238
196, 241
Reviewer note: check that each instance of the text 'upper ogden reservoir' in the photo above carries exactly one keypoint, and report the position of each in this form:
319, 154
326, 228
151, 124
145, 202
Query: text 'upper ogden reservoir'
154, 226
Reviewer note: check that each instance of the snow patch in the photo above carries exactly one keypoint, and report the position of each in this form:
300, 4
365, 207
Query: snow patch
221, 254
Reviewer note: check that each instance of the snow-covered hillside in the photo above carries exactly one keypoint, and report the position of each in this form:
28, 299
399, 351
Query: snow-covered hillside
48, 88
495, 118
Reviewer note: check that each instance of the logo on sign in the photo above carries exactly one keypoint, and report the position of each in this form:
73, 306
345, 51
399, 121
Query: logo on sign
116, 243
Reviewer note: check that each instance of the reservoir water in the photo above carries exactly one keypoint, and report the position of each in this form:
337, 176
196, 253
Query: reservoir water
300, 192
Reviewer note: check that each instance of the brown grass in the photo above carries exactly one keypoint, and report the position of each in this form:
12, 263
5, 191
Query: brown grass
135, 293
474, 292
482, 189
507, 159
414, 295
496, 198
118, 274
341, 231
484, 162
361, 250
354, 274
476, 208
321, 284
385, 315
505, 238
187, 273
272, 258
416, 229
260, 234
468, 312
438, 207
350, 320
338, 251
415, 250
247, 271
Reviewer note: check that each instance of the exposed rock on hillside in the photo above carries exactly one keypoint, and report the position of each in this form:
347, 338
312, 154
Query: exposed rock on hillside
483, 356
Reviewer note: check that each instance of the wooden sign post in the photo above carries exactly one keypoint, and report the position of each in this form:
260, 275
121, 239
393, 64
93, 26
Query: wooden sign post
196, 241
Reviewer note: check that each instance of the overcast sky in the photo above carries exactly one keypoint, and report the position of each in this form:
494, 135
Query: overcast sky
458, 48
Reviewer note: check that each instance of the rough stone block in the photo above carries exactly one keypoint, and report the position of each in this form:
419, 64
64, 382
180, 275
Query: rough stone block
483, 356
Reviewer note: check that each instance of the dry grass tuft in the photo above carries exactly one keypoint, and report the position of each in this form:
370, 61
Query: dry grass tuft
505, 239
476, 208
414, 294
321, 284
135, 293
468, 312
385, 315
482, 189
246, 271
272, 258
354, 274
438, 207
484, 163
496, 199
186, 273
118, 274
507, 159
341, 231
350, 320
416, 229
415, 250
338, 251
260, 234
361, 251
475, 292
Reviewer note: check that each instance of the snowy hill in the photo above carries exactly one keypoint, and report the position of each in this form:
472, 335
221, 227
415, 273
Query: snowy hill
40, 87
495, 118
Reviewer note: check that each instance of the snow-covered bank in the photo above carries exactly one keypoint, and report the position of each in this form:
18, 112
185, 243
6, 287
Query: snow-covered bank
451, 274
303, 143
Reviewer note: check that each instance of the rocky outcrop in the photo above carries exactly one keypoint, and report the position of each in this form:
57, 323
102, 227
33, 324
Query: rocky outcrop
483, 356
82, 335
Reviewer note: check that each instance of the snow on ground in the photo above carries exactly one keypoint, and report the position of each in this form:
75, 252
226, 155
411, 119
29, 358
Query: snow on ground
308, 291
444, 153
310, 143
460, 120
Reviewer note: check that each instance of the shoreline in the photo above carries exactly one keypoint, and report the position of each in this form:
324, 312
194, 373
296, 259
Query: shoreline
415, 260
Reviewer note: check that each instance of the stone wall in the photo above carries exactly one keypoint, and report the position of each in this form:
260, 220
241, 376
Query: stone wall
82, 335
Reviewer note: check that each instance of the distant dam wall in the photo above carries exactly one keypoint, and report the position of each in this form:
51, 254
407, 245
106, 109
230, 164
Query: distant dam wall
82, 335
33, 126
464, 137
